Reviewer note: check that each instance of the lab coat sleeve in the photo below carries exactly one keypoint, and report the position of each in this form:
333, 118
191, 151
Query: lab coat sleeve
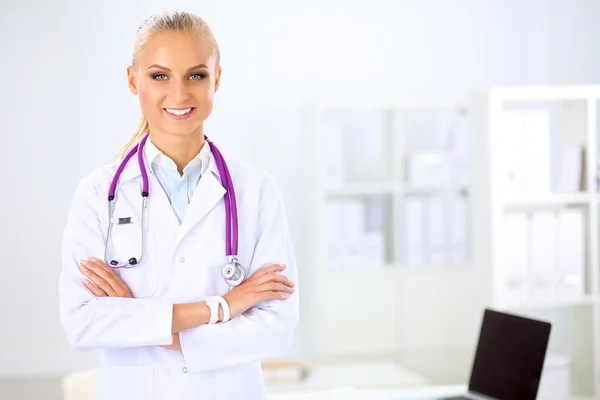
92, 323
264, 331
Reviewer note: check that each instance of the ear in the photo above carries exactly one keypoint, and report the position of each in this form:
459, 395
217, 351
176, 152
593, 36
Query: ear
218, 78
132, 80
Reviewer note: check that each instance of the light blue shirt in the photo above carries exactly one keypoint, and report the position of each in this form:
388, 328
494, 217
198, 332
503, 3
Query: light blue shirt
178, 188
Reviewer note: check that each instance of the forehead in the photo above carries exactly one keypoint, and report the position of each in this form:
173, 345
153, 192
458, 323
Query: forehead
177, 51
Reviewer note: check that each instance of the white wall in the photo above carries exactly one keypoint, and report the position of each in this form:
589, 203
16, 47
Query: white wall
66, 109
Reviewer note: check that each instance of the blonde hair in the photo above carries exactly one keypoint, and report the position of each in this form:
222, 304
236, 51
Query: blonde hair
171, 22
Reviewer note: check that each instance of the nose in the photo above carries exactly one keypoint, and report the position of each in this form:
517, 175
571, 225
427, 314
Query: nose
179, 94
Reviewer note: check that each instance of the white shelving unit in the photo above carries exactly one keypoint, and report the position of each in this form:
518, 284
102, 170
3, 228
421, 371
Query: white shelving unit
535, 215
356, 302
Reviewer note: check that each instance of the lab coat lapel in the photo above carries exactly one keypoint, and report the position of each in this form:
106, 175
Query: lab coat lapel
206, 195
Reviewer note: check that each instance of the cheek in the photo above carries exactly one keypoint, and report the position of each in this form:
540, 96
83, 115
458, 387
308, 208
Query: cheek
205, 103
149, 99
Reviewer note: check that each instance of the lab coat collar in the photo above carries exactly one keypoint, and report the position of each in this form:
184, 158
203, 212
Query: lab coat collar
132, 170
156, 157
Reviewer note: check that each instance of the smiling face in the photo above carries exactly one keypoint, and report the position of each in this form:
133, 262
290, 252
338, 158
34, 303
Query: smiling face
175, 78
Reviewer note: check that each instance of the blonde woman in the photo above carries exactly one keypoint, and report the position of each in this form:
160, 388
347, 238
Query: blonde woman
177, 261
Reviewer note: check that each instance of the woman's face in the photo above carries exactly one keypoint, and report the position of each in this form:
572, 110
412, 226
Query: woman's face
176, 80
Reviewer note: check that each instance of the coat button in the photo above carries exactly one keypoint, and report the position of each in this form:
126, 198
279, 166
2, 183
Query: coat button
184, 369
182, 259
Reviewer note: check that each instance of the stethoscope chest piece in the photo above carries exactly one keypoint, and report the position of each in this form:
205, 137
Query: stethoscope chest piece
233, 272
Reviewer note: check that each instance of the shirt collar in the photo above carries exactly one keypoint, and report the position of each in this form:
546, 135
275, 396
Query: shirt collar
156, 157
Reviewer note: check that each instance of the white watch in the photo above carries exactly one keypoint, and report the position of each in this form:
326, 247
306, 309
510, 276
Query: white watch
213, 304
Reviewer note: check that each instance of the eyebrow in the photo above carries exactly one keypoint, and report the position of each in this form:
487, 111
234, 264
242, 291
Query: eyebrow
167, 69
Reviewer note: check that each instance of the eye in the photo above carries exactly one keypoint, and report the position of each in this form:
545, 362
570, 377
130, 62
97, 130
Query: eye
159, 77
196, 77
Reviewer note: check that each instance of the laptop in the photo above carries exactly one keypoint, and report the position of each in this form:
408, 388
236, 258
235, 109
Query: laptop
509, 358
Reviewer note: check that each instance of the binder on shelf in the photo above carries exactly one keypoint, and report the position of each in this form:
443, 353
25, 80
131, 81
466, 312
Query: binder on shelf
458, 242
436, 226
571, 175
526, 148
542, 282
570, 258
355, 238
515, 257
415, 248
335, 256
544, 256
536, 126
373, 237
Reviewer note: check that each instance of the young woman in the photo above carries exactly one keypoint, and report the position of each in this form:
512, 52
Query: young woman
177, 262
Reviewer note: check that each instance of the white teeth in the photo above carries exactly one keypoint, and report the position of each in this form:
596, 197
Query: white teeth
178, 112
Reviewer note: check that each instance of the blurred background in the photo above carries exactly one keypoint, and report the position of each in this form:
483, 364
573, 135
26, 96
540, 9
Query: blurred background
435, 157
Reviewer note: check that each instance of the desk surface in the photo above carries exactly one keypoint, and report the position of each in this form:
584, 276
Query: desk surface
422, 393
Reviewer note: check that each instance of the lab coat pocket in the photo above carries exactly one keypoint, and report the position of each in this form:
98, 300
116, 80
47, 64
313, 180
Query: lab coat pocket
126, 243
126, 383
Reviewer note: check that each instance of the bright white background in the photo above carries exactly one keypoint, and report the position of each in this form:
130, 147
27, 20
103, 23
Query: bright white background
65, 109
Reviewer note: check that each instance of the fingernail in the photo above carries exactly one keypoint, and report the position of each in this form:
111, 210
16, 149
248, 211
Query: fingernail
83, 268
84, 262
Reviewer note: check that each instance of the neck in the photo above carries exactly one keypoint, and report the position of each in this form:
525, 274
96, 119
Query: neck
179, 148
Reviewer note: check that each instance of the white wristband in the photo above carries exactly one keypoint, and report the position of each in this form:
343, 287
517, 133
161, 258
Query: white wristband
213, 304
226, 313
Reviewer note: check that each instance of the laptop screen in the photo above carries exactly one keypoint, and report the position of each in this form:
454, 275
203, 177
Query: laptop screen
510, 356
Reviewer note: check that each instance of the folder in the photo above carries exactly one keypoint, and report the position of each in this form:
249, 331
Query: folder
514, 256
542, 282
570, 255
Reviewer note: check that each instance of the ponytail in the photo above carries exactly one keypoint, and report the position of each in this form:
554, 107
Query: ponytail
137, 136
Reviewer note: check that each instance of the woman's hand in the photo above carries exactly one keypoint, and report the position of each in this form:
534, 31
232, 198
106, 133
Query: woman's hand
266, 284
107, 282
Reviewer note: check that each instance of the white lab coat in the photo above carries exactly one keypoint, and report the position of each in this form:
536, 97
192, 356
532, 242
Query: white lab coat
181, 264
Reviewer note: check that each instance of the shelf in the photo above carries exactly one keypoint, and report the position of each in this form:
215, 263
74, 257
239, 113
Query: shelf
434, 189
546, 93
360, 189
585, 301
550, 200
381, 188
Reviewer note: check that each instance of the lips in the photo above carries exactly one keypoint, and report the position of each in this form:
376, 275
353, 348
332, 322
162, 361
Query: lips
179, 113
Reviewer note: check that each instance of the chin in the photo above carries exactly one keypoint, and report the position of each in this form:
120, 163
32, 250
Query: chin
190, 130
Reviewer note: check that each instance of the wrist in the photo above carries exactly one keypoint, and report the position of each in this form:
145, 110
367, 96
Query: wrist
190, 315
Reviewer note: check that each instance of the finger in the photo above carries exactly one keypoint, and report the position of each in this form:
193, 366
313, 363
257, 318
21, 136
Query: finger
94, 289
115, 281
267, 270
274, 287
270, 295
107, 274
98, 281
274, 277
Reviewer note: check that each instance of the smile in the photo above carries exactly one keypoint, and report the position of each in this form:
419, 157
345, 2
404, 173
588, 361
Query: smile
179, 113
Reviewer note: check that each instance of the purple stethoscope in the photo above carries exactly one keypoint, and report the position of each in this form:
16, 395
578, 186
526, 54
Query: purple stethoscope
232, 271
